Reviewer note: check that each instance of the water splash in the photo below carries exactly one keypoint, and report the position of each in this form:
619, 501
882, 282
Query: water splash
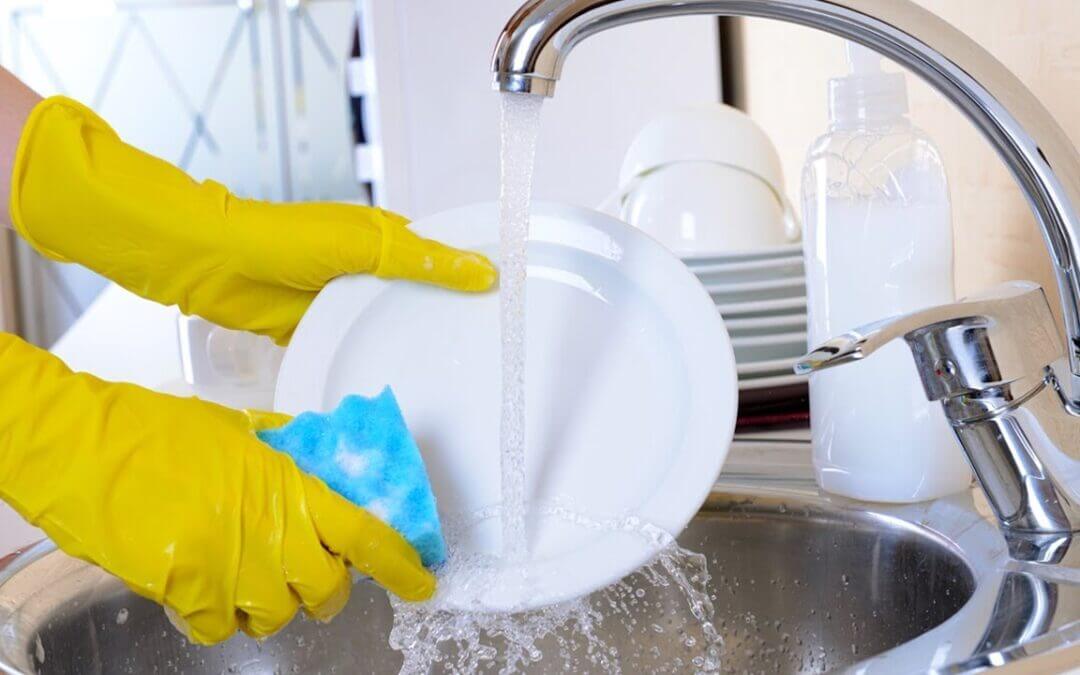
614, 630
519, 126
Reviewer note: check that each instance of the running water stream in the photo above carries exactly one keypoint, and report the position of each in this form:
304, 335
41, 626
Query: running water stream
520, 126
658, 619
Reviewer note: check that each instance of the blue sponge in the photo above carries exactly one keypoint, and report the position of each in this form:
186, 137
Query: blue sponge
364, 452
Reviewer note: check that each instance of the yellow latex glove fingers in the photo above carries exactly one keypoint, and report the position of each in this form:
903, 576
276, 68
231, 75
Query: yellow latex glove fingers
81, 194
180, 500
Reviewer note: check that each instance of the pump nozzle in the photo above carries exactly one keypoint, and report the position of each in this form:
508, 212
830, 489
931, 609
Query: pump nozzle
867, 93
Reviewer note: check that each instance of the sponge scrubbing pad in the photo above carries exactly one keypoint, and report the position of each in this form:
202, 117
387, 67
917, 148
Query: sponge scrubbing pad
364, 452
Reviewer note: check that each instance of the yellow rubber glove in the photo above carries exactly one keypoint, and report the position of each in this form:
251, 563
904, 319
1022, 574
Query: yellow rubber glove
180, 500
81, 194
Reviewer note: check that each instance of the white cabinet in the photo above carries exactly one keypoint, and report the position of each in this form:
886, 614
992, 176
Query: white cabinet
436, 116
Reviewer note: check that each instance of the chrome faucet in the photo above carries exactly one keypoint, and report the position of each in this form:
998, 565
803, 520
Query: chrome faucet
988, 359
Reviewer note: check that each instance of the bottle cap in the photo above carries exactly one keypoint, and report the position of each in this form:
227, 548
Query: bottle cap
868, 93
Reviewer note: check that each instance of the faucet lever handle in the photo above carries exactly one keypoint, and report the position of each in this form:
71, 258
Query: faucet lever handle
985, 340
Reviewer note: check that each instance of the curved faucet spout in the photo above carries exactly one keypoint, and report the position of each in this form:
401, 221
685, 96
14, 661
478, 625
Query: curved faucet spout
534, 45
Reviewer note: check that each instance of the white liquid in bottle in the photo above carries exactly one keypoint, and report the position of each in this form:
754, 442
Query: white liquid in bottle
878, 243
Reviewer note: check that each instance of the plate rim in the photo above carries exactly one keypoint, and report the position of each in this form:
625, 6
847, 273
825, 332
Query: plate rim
774, 321
752, 265
791, 337
775, 306
723, 288
777, 381
745, 255
766, 365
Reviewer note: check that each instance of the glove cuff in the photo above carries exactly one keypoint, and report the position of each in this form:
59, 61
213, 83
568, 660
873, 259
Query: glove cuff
57, 117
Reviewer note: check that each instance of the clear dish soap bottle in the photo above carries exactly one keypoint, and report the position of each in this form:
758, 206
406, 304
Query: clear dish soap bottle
878, 242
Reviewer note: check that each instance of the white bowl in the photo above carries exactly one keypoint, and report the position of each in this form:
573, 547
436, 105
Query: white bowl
702, 208
710, 132
706, 180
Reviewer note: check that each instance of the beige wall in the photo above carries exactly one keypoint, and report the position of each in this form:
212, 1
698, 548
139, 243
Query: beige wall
784, 88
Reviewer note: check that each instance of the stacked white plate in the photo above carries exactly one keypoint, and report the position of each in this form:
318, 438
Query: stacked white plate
761, 295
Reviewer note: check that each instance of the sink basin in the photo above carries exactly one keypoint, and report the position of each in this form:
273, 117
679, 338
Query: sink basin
800, 584
804, 588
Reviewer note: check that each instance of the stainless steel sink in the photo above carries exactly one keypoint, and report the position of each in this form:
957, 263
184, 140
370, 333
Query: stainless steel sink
802, 583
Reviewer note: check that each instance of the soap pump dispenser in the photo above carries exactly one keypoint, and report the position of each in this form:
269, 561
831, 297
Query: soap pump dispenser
878, 242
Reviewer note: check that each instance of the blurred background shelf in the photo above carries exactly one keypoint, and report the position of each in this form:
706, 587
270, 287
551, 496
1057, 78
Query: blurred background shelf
249, 93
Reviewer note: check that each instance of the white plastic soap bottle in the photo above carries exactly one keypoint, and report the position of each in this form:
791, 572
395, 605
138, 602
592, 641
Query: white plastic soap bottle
878, 242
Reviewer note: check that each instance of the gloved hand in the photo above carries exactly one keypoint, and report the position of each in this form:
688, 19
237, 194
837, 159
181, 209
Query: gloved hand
80, 194
178, 498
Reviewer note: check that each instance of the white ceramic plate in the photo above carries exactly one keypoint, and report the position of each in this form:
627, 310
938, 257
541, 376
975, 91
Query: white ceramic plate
759, 308
784, 366
781, 251
752, 270
756, 291
767, 324
762, 340
631, 390
777, 381
769, 348
744, 287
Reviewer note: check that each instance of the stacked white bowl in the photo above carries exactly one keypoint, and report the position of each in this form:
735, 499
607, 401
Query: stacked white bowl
706, 182
761, 295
